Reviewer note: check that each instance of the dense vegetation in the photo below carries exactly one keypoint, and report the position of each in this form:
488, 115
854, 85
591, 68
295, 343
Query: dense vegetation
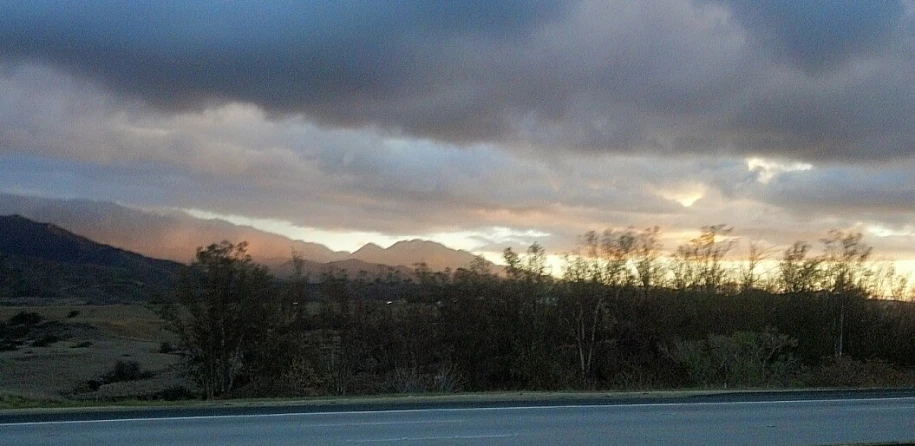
622, 316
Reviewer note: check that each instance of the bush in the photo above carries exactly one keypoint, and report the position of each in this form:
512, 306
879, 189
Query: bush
83, 344
408, 380
72, 314
847, 372
175, 393
743, 359
447, 380
46, 340
166, 348
301, 378
125, 371
25, 318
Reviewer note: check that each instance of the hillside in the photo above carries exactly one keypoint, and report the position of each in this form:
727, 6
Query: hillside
44, 260
170, 235
176, 235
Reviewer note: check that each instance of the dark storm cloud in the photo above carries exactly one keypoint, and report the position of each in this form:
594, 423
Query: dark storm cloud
819, 34
677, 76
283, 55
884, 192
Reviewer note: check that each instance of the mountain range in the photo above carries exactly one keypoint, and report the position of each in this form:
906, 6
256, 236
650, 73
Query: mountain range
44, 260
175, 236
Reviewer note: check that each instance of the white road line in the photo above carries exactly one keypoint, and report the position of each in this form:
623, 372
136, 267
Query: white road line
214, 417
450, 437
858, 409
467, 409
388, 423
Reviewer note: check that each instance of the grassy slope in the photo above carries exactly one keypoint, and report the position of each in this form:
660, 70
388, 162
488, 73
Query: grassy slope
99, 337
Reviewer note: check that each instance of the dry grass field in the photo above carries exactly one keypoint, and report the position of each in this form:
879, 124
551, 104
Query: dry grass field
129, 321
79, 362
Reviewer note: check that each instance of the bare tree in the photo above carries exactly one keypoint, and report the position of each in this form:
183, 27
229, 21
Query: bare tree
534, 264
844, 260
799, 273
647, 267
757, 253
617, 248
221, 314
584, 309
699, 263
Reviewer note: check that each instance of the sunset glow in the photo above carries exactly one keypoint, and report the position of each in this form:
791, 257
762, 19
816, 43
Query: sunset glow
385, 121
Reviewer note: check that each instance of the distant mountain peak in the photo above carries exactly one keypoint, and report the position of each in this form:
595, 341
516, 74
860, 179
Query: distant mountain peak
417, 243
176, 235
367, 249
408, 253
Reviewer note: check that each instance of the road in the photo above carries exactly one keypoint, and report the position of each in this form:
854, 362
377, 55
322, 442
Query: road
770, 422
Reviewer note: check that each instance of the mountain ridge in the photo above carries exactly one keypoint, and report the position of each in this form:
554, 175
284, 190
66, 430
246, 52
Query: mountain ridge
45, 260
434, 255
175, 235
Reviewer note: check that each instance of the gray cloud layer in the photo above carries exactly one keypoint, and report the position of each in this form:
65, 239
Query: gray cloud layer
803, 80
411, 118
820, 35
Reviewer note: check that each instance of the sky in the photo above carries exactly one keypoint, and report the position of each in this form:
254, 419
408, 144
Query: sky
477, 124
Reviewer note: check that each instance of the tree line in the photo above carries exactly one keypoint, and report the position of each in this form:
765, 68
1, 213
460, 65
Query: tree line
621, 315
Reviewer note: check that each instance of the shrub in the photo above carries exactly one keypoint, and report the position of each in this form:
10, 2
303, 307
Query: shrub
72, 314
847, 372
125, 371
408, 380
301, 378
174, 393
447, 380
46, 340
25, 318
743, 359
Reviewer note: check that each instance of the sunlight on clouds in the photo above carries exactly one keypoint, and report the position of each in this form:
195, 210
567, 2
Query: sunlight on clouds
766, 170
473, 241
555, 263
883, 231
687, 195
353, 240
335, 240
470, 240
906, 268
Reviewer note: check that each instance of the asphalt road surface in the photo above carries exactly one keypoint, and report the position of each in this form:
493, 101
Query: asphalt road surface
768, 422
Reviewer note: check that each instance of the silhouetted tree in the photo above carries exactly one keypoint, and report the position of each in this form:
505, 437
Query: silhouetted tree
699, 263
749, 276
611, 321
222, 314
798, 272
647, 266
844, 261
